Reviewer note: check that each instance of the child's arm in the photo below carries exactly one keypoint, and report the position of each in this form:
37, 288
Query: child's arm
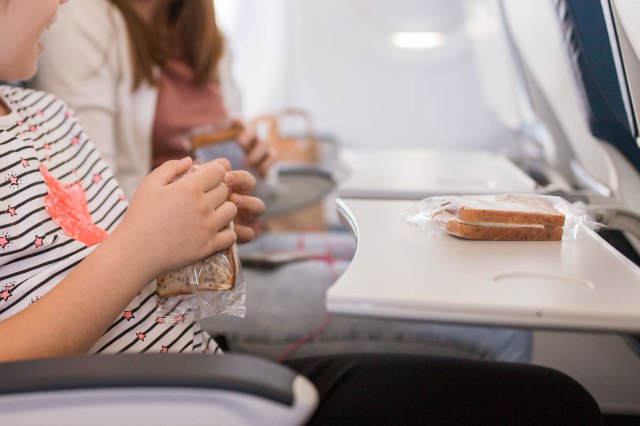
167, 226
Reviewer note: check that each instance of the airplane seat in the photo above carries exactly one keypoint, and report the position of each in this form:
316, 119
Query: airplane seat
153, 389
580, 64
603, 71
577, 84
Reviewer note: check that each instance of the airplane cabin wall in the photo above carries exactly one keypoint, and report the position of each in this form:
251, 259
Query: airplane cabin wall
334, 59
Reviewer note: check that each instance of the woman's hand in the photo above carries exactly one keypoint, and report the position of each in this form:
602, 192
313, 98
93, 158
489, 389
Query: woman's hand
170, 224
260, 155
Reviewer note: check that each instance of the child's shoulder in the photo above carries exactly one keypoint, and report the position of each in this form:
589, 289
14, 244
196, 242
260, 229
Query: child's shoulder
29, 102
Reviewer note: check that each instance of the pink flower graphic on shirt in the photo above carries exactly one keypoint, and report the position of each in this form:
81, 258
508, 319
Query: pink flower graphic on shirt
67, 206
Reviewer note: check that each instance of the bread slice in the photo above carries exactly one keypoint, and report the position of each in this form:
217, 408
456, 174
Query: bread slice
211, 138
510, 209
503, 233
503, 217
214, 274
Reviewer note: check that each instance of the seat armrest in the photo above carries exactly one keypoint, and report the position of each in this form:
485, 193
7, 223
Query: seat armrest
616, 217
235, 373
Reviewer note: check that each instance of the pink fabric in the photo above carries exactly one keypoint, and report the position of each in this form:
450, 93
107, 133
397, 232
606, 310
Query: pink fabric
182, 106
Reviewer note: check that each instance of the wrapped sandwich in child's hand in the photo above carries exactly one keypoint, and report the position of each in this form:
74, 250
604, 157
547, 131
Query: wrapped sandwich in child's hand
212, 286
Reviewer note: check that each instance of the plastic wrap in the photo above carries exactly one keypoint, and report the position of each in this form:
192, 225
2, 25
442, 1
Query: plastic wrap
213, 286
505, 217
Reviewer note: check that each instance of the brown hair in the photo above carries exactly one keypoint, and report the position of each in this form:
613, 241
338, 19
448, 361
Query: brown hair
180, 29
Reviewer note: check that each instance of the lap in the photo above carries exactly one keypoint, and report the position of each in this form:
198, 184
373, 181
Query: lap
414, 389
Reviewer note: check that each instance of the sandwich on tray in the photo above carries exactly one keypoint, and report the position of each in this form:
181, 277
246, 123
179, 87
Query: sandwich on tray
505, 218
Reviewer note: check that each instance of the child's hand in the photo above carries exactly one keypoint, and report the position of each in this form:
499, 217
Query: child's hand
172, 224
249, 208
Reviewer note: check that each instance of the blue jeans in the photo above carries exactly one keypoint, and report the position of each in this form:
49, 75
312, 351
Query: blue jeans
286, 315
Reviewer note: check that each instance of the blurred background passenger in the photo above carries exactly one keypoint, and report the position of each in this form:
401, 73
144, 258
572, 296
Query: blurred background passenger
141, 73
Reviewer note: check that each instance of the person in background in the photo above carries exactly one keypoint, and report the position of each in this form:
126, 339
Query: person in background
138, 73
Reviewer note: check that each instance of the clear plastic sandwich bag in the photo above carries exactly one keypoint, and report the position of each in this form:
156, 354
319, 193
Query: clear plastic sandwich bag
213, 286
509, 217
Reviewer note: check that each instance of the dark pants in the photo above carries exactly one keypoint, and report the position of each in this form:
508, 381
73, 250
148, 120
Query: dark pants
411, 389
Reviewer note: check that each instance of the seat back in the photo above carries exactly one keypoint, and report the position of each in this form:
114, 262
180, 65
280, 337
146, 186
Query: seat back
578, 84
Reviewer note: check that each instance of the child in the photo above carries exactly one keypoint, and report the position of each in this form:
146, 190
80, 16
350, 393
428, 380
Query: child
60, 291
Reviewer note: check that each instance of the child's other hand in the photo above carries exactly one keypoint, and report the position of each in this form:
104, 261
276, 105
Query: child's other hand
260, 155
242, 184
249, 208
172, 224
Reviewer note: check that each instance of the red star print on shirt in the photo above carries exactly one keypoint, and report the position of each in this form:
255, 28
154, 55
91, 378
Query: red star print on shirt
11, 211
164, 349
47, 146
4, 240
128, 315
6, 294
97, 178
141, 336
13, 180
160, 320
75, 140
39, 241
24, 162
180, 318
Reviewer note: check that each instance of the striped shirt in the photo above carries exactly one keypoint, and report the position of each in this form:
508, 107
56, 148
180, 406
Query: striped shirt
35, 252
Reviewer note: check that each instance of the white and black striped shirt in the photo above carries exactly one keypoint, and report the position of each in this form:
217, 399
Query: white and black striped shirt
35, 253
